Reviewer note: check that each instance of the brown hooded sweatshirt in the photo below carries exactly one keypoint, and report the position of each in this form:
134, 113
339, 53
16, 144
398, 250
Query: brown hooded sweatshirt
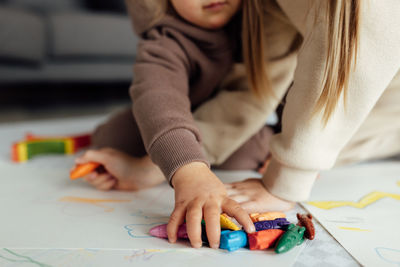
178, 67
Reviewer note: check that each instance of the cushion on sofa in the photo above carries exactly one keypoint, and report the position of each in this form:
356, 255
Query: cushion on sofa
45, 6
91, 35
22, 36
107, 5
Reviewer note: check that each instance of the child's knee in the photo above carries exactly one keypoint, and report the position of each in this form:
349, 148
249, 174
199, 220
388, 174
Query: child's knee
120, 132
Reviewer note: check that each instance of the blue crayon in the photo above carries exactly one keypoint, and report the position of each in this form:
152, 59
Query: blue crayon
233, 240
279, 223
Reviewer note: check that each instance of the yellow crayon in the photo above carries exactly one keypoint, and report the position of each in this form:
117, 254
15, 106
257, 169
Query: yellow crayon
226, 223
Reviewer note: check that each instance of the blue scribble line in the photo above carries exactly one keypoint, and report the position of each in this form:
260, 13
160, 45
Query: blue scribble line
130, 229
378, 251
24, 258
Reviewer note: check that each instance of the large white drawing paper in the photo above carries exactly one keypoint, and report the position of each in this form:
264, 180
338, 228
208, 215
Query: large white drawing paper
49, 220
45, 214
360, 207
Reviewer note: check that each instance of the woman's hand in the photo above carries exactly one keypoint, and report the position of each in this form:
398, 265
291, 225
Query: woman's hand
254, 197
199, 193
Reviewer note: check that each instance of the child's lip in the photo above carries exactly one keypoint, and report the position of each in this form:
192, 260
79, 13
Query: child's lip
215, 4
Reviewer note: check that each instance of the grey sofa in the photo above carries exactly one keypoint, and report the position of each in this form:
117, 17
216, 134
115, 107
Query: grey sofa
61, 41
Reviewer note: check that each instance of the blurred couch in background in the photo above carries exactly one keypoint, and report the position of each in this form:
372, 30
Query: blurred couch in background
65, 41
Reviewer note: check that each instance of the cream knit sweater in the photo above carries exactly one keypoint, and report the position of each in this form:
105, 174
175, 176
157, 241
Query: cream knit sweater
304, 147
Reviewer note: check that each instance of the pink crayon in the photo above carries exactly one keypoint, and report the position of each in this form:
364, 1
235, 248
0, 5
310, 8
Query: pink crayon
161, 231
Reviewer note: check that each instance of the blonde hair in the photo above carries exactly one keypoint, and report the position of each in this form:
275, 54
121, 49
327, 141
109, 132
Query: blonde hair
343, 34
253, 47
343, 18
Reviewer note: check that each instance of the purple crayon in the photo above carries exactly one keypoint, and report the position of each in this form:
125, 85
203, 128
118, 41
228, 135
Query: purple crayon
279, 223
161, 231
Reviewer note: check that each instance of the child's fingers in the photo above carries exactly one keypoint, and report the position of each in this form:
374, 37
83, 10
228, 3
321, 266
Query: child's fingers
107, 185
233, 209
177, 217
103, 156
100, 179
95, 156
81, 160
194, 214
212, 213
90, 177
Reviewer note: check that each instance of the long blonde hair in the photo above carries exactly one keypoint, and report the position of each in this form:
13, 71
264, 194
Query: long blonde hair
343, 34
343, 37
343, 18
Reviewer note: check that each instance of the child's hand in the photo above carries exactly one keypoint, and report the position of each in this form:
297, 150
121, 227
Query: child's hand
253, 197
198, 193
123, 172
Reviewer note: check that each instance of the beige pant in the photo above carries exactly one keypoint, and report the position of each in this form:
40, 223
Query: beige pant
379, 135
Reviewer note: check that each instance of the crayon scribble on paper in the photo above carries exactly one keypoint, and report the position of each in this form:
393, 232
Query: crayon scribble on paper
389, 254
364, 201
92, 201
20, 258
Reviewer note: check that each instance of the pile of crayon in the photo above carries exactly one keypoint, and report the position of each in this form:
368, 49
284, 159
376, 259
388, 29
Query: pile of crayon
34, 145
272, 230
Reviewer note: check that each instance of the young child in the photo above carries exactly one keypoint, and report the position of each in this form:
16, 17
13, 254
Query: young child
182, 59
313, 43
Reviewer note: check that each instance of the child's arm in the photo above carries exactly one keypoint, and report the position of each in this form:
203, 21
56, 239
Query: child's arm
162, 109
305, 146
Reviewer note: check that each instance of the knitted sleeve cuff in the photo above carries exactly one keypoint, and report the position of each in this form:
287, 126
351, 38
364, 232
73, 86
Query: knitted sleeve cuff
175, 149
288, 183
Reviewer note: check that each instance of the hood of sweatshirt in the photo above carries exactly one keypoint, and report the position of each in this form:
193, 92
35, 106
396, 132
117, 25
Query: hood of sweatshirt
142, 21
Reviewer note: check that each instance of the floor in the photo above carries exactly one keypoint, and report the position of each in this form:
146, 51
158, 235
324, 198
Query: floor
323, 251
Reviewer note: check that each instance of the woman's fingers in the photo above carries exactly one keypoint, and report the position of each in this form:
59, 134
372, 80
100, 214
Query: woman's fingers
233, 209
212, 213
250, 206
232, 191
194, 214
240, 198
228, 186
177, 217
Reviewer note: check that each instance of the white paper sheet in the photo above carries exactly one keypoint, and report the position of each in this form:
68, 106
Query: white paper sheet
364, 214
49, 220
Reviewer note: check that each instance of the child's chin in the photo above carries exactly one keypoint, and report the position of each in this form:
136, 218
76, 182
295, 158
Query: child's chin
216, 24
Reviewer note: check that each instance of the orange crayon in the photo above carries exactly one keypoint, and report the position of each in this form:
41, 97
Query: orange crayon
266, 216
83, 169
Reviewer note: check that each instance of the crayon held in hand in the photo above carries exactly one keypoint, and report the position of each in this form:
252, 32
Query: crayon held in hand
83, 169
